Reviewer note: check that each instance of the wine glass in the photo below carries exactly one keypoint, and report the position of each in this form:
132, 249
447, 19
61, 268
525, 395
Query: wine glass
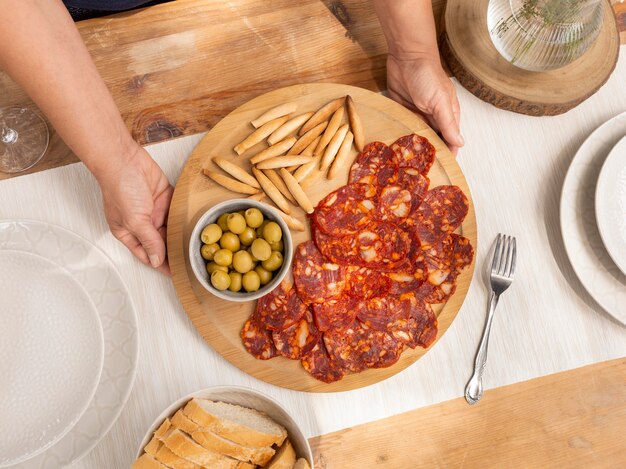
24, 139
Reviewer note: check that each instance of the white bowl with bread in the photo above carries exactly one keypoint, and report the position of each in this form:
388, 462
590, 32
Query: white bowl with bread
227, 427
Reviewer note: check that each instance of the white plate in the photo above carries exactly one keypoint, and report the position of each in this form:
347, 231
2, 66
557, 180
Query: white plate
590, 260
611, 204
52, 348
98, 276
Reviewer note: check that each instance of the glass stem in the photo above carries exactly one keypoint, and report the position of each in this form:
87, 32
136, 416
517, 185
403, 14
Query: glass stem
7, 135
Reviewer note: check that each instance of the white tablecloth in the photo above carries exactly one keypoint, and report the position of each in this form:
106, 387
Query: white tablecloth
545, 322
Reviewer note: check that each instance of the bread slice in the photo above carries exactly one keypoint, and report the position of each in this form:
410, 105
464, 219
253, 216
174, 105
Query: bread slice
248, 427
285, 457
162, 430
153, 446
302, 464
182, 445
145, 461
246, 465
173, 461
214, 442
180, 420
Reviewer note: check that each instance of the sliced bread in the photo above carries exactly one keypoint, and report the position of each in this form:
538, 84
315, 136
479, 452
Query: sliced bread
214, 442
182, 445
163, 428
246, 465
153, 446
180, 420
302, 464
173, 461
245, 426
285, 457
145, 461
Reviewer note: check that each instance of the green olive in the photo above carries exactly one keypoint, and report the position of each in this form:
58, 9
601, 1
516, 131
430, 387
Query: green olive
230, 241
261, 249
220, 280
279, 246
242, 262
264, 275
254, 217
223, 257
212, 267
251, 281
247, 236
211, 234
272, 232
259, 230
274, 262
235, 281
236, 223
208, 251
221, 222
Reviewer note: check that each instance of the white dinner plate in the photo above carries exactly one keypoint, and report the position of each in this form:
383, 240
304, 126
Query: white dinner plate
590, 260
611, 204
106, 289
51, 346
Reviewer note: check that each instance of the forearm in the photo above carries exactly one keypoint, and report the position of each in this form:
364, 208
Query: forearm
409, 27
41, 49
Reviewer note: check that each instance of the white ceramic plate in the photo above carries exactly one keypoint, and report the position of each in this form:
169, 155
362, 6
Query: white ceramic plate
98, 276
590, 260
52, 348
611, 204
244, 397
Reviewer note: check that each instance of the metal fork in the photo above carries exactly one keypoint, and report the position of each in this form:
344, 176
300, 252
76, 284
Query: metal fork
501, 277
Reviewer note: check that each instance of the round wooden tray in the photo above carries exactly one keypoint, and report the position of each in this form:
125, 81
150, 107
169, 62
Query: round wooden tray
220, 321
473, 59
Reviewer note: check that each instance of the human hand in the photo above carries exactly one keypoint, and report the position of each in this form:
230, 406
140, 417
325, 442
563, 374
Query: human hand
136, 200
420, 84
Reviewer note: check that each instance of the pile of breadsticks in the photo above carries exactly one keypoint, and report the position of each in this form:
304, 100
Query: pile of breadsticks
299, 147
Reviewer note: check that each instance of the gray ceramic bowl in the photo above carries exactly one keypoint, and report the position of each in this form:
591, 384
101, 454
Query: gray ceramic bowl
198, 264
246, 398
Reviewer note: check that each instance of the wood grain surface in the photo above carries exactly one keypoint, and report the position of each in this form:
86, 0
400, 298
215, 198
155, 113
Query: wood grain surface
220, 321
469, 52
575, 418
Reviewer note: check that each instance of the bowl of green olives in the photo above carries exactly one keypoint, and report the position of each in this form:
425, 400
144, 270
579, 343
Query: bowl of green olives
240, 249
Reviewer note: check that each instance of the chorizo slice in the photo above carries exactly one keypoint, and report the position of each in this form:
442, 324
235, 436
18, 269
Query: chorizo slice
345, 211
321, 365
336, 314
317, 279
257, 340
297, 340
414, 151
420, 329
375, 166
364, 283
279, 309
382, 314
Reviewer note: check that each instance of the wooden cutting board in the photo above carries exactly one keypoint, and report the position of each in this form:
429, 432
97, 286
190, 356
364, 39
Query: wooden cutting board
575, 418
220, 321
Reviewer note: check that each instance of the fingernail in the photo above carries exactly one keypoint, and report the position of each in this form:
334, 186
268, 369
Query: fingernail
460, 140
154, 260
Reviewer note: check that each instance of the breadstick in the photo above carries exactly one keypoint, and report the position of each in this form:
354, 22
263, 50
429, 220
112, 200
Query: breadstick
273, 176
304, 141
308, 151
355, 124
260, 134
283, 161
333, 147
271, 190
229, 183
292, 222
236, 172
296, 191
280, 148
322, 114
342, 155
278, 111
303, 171
288, 127
331, 130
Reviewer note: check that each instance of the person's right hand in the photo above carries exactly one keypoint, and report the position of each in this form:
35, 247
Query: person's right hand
419, 83
136, 200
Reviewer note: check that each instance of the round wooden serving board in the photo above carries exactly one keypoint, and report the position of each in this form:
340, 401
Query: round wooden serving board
220, 321
473, 59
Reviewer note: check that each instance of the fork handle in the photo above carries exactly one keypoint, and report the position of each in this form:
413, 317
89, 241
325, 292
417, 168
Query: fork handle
474, 389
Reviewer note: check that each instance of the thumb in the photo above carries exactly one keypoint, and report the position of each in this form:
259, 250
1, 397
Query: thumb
152, 242
448, 122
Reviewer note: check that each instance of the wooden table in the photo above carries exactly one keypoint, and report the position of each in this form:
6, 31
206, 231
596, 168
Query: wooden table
514, 164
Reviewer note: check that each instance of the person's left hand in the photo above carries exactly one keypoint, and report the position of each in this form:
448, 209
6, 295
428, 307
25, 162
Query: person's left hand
136, 203
420, 84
